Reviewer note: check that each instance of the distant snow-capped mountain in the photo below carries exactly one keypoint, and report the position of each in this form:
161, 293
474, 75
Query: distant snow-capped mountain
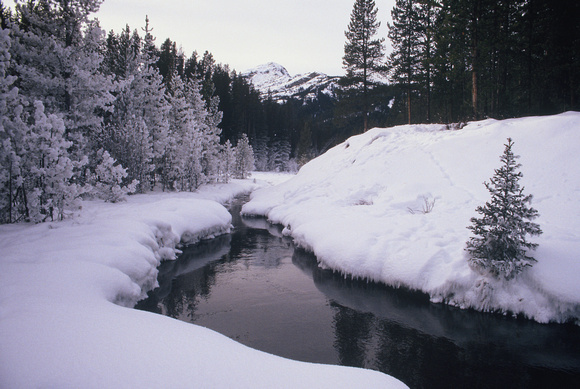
273, 80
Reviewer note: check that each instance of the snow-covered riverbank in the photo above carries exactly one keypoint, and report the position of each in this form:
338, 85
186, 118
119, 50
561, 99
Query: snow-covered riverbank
66, 290
392, 205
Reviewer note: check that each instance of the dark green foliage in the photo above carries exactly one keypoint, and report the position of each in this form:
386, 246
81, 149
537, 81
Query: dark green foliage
170, 61
363, 53
405, 59
458, 60
499, 246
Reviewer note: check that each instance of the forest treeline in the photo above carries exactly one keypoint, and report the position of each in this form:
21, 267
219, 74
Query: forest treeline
456, 60
90, 113
85, 115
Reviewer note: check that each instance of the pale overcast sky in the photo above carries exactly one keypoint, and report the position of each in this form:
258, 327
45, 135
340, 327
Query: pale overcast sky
301, 35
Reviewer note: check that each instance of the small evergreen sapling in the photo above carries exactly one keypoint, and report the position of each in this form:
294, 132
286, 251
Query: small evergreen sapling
499, 246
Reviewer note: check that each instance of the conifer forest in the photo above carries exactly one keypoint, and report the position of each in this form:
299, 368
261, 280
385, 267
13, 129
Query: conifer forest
89, 113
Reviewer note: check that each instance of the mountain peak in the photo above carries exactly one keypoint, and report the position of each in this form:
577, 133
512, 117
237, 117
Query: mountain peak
263, 75
272, 79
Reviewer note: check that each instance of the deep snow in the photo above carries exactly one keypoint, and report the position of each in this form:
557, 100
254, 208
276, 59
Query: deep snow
66, 290
360, 209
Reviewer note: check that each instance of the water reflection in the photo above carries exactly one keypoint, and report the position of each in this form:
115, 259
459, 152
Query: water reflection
431, 345
253, 286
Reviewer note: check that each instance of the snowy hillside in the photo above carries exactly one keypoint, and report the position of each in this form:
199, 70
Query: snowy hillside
364, 209
273, 79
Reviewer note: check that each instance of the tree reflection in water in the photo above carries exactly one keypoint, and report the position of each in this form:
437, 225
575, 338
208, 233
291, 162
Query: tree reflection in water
253, 286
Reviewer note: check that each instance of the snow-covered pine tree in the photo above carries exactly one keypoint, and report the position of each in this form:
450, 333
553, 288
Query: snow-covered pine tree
207, 117
181, 127
110, 176
136, 130
57, 57
50, 192
127, 136
227, 162
499, 246
261, 152
279, 155
211, 135
244, 158
35, 179
12, 135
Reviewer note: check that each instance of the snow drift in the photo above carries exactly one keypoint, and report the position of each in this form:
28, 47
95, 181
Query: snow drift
392, 205
63, 288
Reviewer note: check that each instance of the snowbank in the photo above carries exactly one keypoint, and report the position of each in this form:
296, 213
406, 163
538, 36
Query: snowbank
392, 205
64, 289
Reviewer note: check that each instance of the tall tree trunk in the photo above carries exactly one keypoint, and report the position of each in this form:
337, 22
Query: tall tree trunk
428, 89
474, 57
474, 84
365, 99
10, 193
409, 105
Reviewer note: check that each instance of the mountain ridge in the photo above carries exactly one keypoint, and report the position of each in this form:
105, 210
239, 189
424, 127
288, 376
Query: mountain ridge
272, 80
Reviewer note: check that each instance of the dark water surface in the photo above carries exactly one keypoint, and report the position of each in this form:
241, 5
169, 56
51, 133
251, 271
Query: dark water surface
255, 287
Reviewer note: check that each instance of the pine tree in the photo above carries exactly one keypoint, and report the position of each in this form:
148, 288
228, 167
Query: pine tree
227, 162
261, 152
244, 158
279, 155
136, 130
405, 60
50, 192
12, 137
428, 11
304, 150
363, 53
499, 246
183, 130
110, 179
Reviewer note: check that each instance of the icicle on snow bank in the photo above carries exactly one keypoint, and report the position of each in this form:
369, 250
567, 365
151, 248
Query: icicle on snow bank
351, 206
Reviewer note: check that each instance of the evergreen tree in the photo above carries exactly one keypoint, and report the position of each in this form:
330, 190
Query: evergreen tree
109, 179
499, 246
451, 78
279, 155
12, 140
136, 130
405, 60
428, 11
181, 167
57, 56
47, 185
260, 148
244, 158
363, 53
304, 150
227, 162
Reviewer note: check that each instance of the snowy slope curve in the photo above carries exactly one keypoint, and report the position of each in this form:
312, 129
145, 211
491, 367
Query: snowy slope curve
392, 205
273, 80
63, 288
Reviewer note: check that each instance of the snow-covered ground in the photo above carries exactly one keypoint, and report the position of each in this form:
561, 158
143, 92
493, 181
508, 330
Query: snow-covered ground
67, 288
360, 209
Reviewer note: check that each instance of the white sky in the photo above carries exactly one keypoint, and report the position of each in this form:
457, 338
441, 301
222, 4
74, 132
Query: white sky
301, 35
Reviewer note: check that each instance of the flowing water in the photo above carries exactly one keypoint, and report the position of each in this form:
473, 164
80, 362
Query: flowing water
255, 287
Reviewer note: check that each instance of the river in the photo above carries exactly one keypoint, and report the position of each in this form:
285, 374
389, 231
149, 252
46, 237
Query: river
255, 287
